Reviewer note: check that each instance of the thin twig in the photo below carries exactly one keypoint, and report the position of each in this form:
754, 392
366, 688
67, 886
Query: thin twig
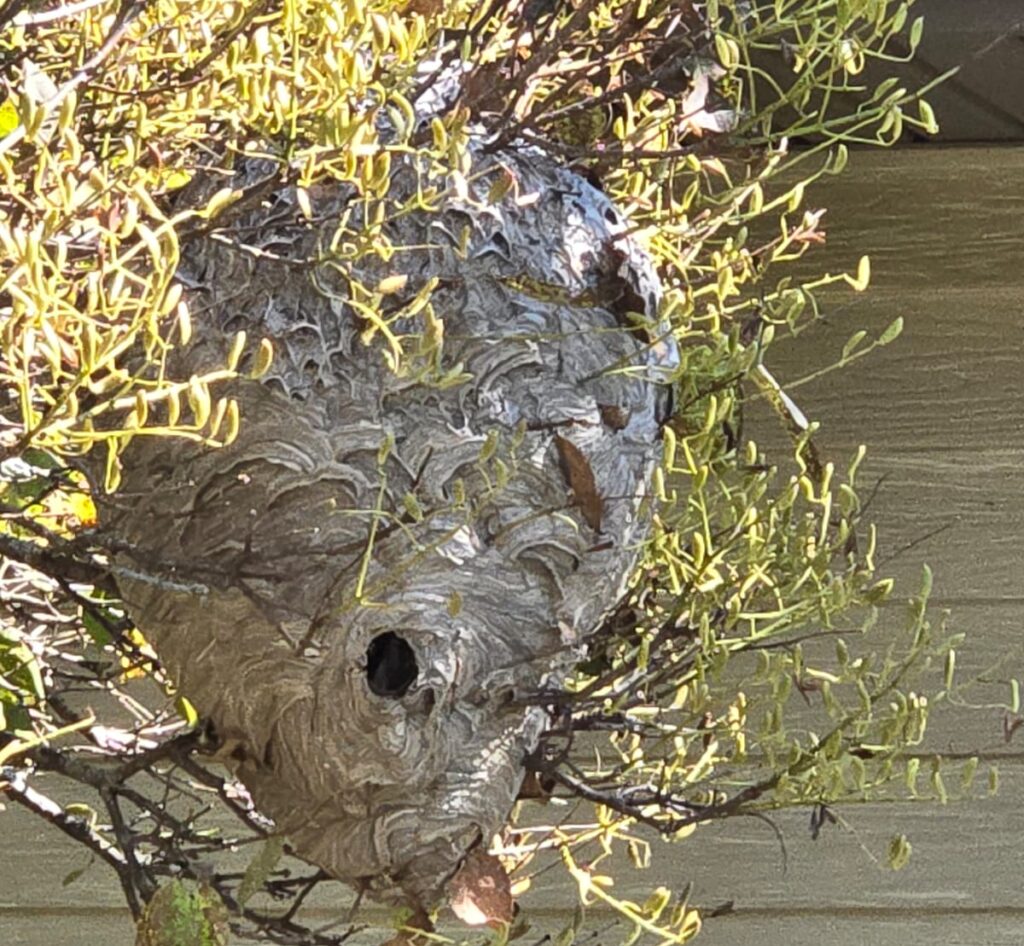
57, 13
15, 785
126, 17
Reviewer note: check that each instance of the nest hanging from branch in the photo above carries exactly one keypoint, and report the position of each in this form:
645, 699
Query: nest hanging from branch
368, 589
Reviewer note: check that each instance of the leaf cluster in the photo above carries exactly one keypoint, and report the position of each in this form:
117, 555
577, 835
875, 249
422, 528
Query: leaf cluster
747, 670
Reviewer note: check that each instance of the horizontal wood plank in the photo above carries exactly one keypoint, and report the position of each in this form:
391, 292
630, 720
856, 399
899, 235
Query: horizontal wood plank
932, 219
798, 927
902, 926
941, 410
954, 848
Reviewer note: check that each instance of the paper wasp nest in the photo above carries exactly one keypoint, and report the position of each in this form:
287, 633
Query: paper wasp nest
378, 576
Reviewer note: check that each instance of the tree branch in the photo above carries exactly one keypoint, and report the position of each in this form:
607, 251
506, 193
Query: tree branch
15, 784
57, 560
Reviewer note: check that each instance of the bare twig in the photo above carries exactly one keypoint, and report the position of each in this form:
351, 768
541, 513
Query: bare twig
57, 13
58, 559
15, 785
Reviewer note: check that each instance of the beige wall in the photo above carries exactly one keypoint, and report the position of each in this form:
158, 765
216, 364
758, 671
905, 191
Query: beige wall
942, 411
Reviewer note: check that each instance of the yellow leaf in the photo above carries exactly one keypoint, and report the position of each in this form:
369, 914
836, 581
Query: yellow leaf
392, 284
139, 663
264, 358
83, 508
173, 178
8, 117
186, 710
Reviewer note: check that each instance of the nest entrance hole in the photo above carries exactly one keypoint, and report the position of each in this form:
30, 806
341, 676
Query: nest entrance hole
391, 666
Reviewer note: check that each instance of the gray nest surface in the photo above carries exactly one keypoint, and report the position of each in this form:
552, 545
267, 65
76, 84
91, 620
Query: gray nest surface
367, 628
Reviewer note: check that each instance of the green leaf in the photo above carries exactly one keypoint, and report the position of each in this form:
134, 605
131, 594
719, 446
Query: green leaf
928, 119
23, 492
21, 666
950, 669
899, 19
95, 628
839, 159
968, 773
853, 342
916, 32
728, 51
75, 874
913, 767
899, 851
926, 582
892, 331
568, 935
260, 868
182, 913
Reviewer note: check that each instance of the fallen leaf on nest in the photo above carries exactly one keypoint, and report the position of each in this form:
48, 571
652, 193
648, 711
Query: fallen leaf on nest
481, 892
392, 284
580, 477
613, 416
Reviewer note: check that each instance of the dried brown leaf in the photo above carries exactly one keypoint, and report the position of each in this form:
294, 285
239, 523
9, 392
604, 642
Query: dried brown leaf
481, 892
613, 416
580, 477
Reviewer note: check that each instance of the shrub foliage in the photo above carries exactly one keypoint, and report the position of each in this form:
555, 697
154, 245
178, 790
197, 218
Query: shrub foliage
745, 672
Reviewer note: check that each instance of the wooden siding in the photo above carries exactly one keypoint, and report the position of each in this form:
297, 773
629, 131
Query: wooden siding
981, 41
984, 101
942, 411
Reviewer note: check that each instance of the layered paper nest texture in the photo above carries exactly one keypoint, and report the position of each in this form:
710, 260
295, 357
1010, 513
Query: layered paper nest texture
377, 578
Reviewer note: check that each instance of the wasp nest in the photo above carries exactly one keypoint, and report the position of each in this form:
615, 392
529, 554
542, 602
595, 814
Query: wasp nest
366, 590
